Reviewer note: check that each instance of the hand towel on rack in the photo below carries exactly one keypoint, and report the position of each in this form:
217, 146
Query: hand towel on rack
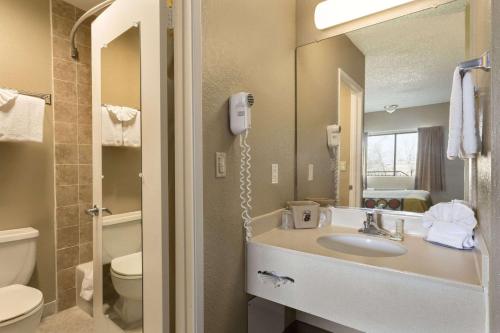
7, 95
470, 133
132, 131
22, 120
112, 131
456, 114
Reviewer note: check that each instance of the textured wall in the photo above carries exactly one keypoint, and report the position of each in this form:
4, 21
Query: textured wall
317, 90
247, 46
423, 116
26, 169
73, 149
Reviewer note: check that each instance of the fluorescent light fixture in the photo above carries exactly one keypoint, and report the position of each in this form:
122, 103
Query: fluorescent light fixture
334, 12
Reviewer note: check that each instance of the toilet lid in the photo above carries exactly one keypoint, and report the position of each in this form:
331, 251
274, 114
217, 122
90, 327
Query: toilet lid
17, 300
129, 265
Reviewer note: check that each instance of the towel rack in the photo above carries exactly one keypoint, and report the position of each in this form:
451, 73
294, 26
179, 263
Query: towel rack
46, 97
483, 62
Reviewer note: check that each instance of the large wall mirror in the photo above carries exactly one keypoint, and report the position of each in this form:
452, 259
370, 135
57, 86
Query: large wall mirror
373, 110
121, 181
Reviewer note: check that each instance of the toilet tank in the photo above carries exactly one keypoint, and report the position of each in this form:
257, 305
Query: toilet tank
121, 235
17, 255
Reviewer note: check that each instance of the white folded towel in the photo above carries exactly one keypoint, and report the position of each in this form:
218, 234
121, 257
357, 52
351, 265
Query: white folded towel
87, 291
456, 114
112, 133
132, 131
7, 95
123, 113
470, 133
451, 224
22, 119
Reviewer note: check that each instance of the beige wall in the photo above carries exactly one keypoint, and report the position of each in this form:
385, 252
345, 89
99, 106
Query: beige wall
345, 145
247, 46
423, 116
121, 86
26, 169
317, 90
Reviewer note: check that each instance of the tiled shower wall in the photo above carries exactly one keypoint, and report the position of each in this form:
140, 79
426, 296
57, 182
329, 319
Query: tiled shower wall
73, 149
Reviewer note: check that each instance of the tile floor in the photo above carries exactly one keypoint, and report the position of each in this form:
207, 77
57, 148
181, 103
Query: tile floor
72, 320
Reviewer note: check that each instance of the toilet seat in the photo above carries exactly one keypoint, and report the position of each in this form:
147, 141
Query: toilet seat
127, 267
17, 302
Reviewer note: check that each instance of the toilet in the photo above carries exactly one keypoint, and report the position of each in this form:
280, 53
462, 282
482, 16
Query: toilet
20, 306
126, 276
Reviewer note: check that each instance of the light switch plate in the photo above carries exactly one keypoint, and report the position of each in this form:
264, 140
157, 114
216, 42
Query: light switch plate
310, 172
343, 165
220, 165
274, 173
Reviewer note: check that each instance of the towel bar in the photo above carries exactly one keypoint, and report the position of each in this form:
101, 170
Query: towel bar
483, 62
46, 97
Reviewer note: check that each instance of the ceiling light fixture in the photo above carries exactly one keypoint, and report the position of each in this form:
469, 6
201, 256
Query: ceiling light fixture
330, 13
391, 108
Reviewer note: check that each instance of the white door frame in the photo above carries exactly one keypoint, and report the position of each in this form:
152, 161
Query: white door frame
189, 277
356, 135
151, 16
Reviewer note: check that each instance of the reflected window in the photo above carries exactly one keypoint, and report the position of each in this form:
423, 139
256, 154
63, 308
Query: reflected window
392, 154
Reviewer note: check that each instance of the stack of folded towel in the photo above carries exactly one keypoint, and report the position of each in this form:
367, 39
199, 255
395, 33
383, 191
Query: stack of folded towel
451, 224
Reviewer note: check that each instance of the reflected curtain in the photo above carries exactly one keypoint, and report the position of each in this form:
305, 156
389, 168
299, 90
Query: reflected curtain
430, 173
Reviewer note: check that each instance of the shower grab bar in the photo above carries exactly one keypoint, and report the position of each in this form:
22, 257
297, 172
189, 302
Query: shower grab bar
46, 97
483, 62
86, 15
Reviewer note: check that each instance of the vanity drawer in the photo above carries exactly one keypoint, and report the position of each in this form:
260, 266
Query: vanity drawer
362, 297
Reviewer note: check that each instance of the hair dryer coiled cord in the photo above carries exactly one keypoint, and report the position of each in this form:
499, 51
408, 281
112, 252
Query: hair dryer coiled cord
246, 185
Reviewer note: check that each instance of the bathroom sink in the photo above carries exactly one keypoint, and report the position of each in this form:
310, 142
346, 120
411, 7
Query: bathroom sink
362, 245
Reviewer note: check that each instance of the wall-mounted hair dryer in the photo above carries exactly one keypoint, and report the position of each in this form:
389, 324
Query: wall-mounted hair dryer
240, 112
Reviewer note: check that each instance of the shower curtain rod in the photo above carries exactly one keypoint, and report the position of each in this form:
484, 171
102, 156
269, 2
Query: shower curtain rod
86, 15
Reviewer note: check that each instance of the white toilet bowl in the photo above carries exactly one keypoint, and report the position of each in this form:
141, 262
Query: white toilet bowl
20, 309
126, 275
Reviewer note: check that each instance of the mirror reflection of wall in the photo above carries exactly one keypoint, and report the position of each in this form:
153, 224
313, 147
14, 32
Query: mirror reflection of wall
404, 67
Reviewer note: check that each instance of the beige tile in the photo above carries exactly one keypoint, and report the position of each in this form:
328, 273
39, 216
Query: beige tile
84, 174
85, 154
67, 237
61, 48
61, 26
66, 153
86, 233
64, 111
66, 175
84, 94
66, 279
67, 258
83, 36
64, 91
84, 133
66, 195
64, 70
67, 216
66, 299
85, 55
86, 252
84, 74
65, 132
85, 114
84, 217
85, 193
63, 9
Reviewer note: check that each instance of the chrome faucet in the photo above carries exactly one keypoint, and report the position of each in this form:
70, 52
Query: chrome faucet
373, 226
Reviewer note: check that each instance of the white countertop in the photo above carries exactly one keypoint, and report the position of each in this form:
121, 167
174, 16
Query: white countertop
423, 258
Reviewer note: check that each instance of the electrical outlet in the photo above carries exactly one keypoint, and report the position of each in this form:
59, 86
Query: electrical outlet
310, 174
274, 173
220, 165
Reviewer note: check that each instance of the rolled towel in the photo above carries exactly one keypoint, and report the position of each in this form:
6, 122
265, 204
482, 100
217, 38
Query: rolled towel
451, 224
87, 291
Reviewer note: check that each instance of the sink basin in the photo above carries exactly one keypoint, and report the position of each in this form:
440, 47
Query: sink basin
362, 245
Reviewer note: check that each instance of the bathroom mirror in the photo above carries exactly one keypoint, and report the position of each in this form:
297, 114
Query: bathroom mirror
386, 91
121, 181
